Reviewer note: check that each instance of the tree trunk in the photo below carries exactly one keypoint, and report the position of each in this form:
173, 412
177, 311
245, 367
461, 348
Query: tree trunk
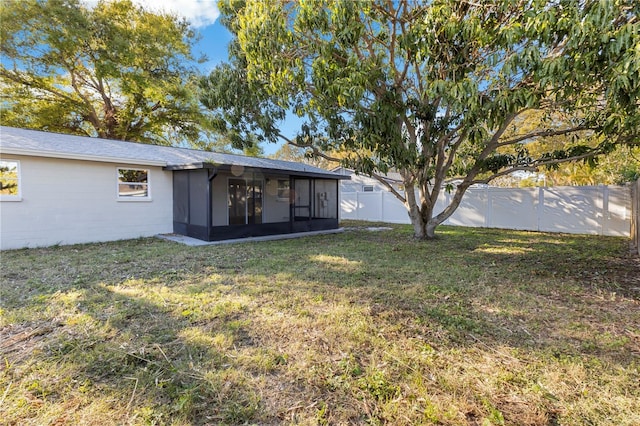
431, 229
424, 226
423, 230
419, 227
415, 214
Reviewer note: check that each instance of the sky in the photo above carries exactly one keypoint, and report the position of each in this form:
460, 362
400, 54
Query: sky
203, 16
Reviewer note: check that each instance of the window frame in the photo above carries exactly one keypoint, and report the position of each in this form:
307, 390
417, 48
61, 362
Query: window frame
18, 196
133, 198
368, 188
279, 196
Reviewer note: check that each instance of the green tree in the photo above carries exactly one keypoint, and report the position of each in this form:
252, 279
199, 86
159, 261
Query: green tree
433, 89
114, 71
617, 168
301, 154
620, 166
289, 152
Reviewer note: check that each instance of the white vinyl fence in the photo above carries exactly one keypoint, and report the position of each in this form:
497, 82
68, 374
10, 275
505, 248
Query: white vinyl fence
599, 210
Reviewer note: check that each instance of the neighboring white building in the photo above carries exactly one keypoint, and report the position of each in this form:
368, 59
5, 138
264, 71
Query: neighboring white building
62, 189
364, 183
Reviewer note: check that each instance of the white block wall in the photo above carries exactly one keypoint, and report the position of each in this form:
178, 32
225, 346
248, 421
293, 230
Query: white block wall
74, 201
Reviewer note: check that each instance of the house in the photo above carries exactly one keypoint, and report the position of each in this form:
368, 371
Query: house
364, 183
62, 189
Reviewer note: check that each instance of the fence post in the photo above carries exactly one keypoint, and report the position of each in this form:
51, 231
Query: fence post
447, 201
540, 209
382, 205
635, 217
605, 209
488, 219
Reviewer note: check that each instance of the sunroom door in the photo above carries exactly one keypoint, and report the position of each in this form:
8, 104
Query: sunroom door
245, 202
302, 201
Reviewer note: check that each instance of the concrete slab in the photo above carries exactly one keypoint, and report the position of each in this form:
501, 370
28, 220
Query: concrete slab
369, 228
194, 242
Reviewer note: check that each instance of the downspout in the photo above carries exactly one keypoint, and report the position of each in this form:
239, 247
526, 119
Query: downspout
292, 201
338, 201
311, 197
211, 174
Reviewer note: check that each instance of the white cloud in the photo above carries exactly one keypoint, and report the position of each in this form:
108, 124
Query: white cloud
199, 12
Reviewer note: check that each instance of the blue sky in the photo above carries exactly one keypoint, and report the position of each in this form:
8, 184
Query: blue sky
214, 42
203, 15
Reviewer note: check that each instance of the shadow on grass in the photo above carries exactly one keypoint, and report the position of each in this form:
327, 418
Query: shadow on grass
529, 291
86, 334
164, 332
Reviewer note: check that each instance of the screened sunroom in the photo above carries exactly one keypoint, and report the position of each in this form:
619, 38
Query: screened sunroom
218, 202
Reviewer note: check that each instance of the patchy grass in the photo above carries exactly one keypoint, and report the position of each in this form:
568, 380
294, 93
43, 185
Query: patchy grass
478, 327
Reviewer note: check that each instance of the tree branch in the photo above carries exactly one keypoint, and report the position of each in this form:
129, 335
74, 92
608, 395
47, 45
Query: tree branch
34, 84
390, 187
316, 151
542, 133
534, 166
93, 115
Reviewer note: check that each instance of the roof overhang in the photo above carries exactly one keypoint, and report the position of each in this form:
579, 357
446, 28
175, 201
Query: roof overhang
75, 156
264, 170
170, 167
384, 177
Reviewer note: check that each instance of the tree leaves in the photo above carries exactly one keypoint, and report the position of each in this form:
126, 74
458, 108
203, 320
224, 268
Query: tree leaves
432, 89
113, 70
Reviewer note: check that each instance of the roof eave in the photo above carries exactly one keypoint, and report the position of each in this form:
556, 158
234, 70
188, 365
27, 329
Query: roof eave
75, 156
169, 167
229, 167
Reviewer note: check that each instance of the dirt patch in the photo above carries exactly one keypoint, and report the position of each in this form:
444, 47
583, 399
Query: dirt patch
19, 341
620, 275
369, 228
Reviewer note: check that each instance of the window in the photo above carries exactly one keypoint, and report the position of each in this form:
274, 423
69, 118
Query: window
10, 189
283, 190
133, 184
367, 188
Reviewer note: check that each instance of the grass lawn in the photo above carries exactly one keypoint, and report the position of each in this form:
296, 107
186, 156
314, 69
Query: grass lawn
478, 327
